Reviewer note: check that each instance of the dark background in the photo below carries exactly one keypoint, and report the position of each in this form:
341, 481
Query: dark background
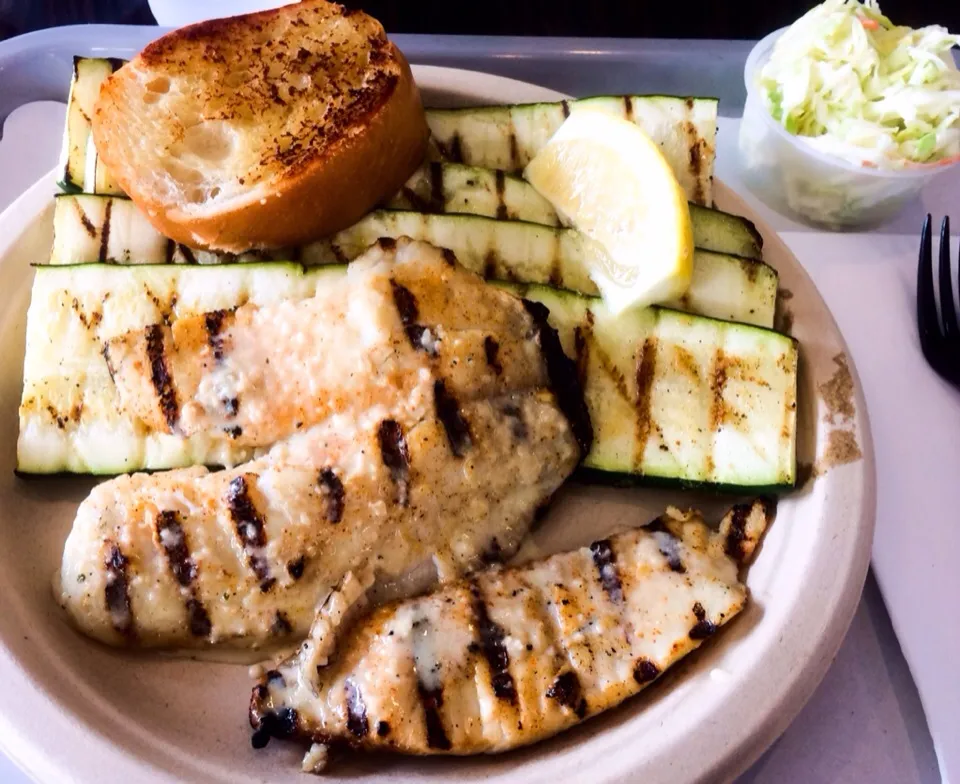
621, 18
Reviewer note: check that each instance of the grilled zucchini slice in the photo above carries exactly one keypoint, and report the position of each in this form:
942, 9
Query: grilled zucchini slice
97, 228
441, 187
507, 137
672, 396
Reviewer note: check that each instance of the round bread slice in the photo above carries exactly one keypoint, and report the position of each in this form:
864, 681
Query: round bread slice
265, 130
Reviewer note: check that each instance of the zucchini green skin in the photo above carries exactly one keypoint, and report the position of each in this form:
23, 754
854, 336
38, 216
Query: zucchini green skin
71, 420
508, 137
439, 187
90, 227
80, 169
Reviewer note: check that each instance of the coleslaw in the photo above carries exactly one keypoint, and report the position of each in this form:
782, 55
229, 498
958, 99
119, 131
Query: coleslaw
848, 82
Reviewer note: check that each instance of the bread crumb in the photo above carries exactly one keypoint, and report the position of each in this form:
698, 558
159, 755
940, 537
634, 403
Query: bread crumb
842, 448
837, 392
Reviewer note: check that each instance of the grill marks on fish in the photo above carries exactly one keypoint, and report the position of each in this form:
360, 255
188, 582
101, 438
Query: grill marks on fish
567, 692
173, 540
450, 416
564, 381
396, 457
606, 562
511, 656
491, 350
409, 312
160, 376
704, 627
668, 544
518, 426
357, 723
213, 323
645, 671
491, 640
406, 303
331, 488
248, 523
431, 700
117, 591
737, 533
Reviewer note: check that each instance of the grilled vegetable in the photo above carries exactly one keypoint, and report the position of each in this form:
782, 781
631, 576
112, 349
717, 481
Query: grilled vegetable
437, 187
456, 188
507, 137
681, 399
88, 228
80, 167
734, 382
510, 657
723, 286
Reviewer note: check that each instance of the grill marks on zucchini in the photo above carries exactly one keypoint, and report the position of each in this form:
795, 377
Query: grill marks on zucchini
160, 375
173, 541
723, 286
507, 137
248, 523
646, 373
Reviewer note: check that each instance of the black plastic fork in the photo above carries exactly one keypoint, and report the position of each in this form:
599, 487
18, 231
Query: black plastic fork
939, 328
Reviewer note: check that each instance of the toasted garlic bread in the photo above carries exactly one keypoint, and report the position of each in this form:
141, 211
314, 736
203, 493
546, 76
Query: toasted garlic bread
263, 130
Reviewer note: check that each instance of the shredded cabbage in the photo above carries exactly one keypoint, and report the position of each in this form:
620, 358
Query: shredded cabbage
853, 84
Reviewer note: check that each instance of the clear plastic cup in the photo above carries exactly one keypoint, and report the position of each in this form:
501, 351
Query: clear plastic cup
804, 183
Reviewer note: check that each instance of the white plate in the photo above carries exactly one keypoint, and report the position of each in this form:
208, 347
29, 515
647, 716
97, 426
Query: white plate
73, 710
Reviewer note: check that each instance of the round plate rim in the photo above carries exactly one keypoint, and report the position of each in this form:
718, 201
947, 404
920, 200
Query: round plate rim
39, 757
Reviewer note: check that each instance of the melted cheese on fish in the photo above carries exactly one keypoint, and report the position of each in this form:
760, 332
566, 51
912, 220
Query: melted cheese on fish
404, 315
512, 656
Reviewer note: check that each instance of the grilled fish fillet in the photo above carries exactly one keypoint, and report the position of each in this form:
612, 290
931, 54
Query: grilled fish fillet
403, 316
412, 421
512, 656
245, 556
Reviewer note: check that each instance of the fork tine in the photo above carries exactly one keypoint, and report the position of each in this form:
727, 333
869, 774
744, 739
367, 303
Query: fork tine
948, 310
927, 323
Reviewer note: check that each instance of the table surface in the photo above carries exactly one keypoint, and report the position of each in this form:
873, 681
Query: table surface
865, 722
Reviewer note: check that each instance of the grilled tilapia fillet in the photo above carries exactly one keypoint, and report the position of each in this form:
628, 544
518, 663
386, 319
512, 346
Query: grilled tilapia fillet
245, 556
402, 317
512, 656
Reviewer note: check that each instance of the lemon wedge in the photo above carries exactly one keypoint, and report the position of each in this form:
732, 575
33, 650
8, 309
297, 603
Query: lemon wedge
605, 177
